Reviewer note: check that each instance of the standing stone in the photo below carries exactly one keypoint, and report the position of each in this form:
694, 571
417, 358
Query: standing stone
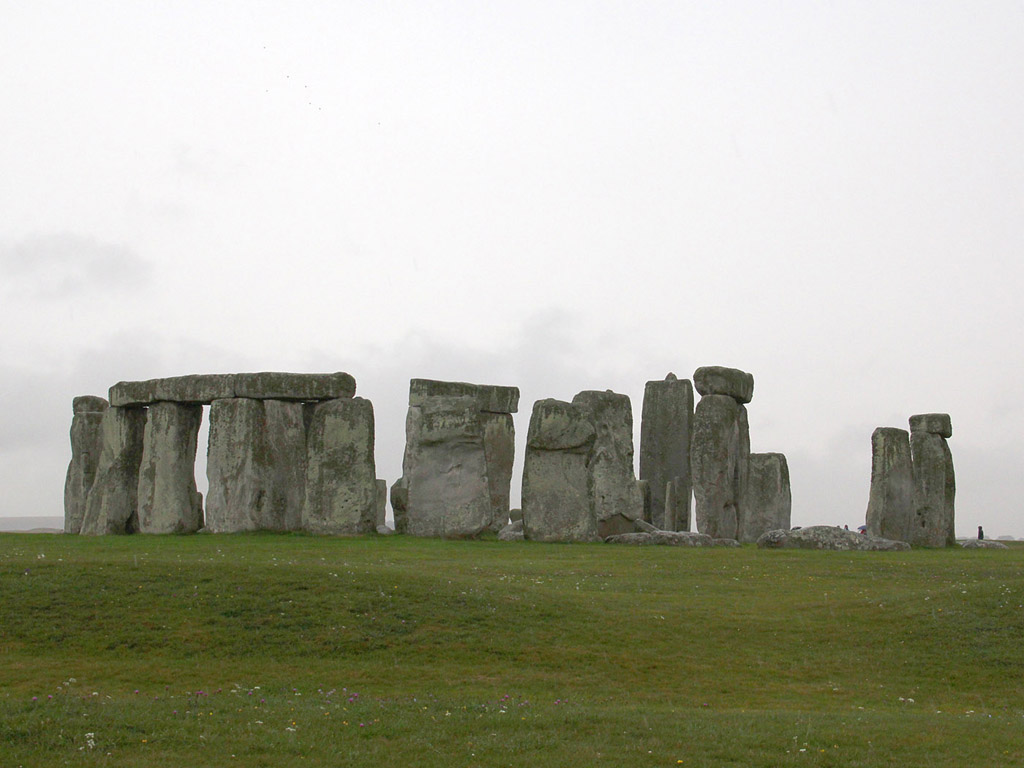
715, 464
891, 503
446, 469
677, 514
256, 465
341, 477
665, 445
499, 455
112, 506
644, 487
933, 523
558, 503
86, 435
168, 499
400, 505
380, 518
617, 500
767, 502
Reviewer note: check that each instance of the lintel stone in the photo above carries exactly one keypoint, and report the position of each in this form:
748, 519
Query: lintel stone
490, 398
933, 423
203, 389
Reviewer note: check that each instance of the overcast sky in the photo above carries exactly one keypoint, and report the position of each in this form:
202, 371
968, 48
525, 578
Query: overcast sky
558, 196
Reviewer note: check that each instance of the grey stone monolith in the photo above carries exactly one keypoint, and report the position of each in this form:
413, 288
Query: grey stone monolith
933, 523
490, 398
717, 464
381, 514
891, 502
168, 499
445, 469
499, 435
112, 505
558, 503
677, 514
645, 496
400, 503
341, 476
617, 499
717, 380
86, 441
256, 466
665, 444
767, 504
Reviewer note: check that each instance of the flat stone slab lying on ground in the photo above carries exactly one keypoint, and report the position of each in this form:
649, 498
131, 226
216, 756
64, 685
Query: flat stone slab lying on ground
982, 544
716, 380
828, 537
491, 398
203, 389
933, 423
668, 538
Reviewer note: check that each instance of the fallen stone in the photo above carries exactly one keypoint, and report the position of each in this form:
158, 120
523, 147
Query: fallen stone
828, 537
715, 460
665, 444
343, 495
716, 380
492, 399
112, 505
933, 423
86, 442
891, 501
642, 526
512, 532
724, 543
677, 512
933, 523
645, 496
982, 544
662, 538
767, 502
167, 496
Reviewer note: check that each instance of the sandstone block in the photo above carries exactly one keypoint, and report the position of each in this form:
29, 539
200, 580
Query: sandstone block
112, 505
194, 389
933, 523
205, 388
86, 442
499, 435
891, 502
982, 544
559, 426
665, 443
664, 538
717, 464
380, 518
89, 404
270, 385
716, 380
828, 537
129, 394
167, 496
343, 495
400, 504
933, 423
767, 503
492, 399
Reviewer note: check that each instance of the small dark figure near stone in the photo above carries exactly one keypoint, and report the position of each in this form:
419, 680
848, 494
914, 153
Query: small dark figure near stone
981, 533
846, 527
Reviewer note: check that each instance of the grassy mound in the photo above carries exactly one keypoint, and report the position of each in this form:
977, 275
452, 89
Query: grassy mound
292, 650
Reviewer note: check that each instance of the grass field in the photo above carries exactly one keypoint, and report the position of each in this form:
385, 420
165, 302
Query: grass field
265, 650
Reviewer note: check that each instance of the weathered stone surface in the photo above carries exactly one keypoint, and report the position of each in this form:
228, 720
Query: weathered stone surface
677, 513
617, 500
194, 389
717, 464
445, 469
933, 523
724, 542
499, 435
205, 388
342, 494
380, 518
383, 530
767, 504
827, 537
716, 380
127, 394
512, 532
644, 487
642, 526
662, 538
665, 444
557, 500
112, 506
86, 442
400, 504
492, 399
270, 385
256, 466
515, 514
982, 544
934, 423
168, 499
891, 502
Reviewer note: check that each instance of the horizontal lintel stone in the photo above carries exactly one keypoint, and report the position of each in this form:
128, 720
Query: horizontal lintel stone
205, 388
934, 423
491, 398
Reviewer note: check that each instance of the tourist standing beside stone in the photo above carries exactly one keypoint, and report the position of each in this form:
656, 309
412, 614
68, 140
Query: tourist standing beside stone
891, 501
86, 436
665, 449
933, 523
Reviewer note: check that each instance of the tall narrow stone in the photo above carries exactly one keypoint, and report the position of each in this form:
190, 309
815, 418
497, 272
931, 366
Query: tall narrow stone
891, 502
715, 465
499, 455
112, 506
168, 499
665, 445
558, 503
86, 441
677, 514
617, 500
341, 477
933, 522
768, 500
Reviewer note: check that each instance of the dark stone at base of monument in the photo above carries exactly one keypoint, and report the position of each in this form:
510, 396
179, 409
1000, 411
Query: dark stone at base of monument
982, 544
828, 537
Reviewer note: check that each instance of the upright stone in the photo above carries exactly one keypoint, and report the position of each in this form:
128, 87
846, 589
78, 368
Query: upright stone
933, 523
558, 502
112, 506
168, 499
715, 464
644, 487
665, 444
341, 477
677, 514
446, 469
891, 502
86, 435
768, 501
617, 499
499, 455
381, 512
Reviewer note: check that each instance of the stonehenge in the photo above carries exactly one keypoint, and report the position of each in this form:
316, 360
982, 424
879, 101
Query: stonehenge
768, 503
85, 454
665, 428
167, 496
112, 504
890, 503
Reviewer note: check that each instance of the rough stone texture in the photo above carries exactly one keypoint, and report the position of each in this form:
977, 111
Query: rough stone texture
982, 544
665, 444
557, 500
383, 530
767, 504
499, 435
642, 526
200, 389
827, 537
445, 469
492, 399
256, 466
270, 385
380, 518
512, 532
342, 493
717, 464
194, 389
644, 487
716, 380
400, 504
934, 423
677, 514
86, 442
617, 500
933, 523
515, 514
891, 502
664, 538
112, 506
168, 499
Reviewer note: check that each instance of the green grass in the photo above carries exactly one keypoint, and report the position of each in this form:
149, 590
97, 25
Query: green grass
270, 650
